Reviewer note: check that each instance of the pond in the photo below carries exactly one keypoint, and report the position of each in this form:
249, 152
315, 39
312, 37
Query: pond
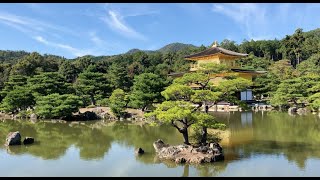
258, 144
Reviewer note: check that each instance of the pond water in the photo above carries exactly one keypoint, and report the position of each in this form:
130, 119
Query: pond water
258, 144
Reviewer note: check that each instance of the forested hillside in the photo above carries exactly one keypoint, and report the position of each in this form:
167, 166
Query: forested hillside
30, 79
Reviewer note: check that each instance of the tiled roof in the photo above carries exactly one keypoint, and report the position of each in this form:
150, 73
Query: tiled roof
215, 50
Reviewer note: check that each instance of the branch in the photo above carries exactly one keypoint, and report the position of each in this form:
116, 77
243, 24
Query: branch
195, 109
182, 121
191, 122
212, 105
174, 125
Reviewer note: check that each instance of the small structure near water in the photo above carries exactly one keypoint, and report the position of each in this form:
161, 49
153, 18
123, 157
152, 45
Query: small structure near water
189, 154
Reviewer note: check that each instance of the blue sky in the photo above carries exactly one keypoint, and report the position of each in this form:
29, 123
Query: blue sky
77, 29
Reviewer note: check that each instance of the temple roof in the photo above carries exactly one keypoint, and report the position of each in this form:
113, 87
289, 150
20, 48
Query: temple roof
214, 50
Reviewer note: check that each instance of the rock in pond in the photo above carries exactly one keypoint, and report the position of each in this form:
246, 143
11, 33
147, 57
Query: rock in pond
13, 138
28, 140
302, 111
212, 152
139, 151
292, 110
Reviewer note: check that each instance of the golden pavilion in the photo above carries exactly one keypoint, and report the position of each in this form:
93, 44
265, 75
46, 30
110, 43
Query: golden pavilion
219, 55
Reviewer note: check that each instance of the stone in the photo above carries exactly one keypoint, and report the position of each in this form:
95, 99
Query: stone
13, 138
159, 144
188, 153
180, 160
292, 110
33, 116
28, 140
139, 151
302, 111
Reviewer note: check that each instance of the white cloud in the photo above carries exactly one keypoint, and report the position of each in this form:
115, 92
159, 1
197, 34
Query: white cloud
95, 39
72, 50
26, 24
252, 17
116, 22
118, 16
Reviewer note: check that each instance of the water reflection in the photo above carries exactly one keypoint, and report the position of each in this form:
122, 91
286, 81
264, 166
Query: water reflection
93, 139
275, 133
252, 137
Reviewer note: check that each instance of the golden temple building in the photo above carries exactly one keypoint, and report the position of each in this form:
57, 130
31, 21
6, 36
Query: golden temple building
219, 55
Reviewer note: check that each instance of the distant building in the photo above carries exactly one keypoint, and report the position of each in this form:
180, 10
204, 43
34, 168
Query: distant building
219, 55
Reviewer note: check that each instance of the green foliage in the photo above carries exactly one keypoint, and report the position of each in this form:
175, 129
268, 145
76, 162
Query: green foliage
20, 98
35, 64
229, 87
293, 47
314, 100
92, 84
135, 68
200, 96
81, 63
177, 91
262, 48
11, 57
23, 114
212, 137
13, 82
55, 106
281, 70
311, 65
213, 68
103, 102
175, 47
230, 45
288, 91
4, 74
252, 62
49, 83
198, 78
170, 111
68, 71
118, 102
118, 76
278, 57
146, 90
206, 120
314, 96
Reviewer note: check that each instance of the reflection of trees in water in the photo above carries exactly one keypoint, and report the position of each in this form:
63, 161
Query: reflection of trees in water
296, 137
49, 144
143, 136
211, 169
185, 171
93, 144
52, 139
293, 151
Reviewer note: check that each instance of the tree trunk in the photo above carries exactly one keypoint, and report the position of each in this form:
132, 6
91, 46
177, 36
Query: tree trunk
204, 135
93, 101
143, 108
184, 132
